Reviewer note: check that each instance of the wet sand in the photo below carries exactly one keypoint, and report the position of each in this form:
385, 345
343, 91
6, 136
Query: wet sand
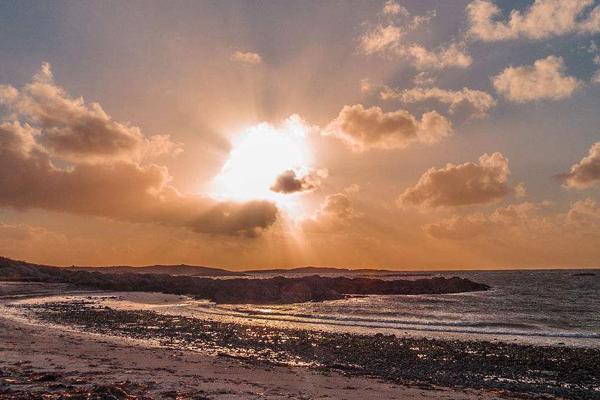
56, 361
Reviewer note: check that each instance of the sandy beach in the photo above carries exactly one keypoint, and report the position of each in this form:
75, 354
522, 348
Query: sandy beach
39, 359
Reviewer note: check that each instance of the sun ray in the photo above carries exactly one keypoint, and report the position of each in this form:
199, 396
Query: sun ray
260, 153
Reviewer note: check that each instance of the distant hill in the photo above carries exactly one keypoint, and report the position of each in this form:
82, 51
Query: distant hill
22, 271
181, 269
334, 270
309, 270
195, 270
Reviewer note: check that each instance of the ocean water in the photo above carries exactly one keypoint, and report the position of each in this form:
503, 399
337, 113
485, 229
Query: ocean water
543, 307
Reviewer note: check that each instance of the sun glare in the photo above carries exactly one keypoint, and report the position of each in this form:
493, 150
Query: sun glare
260, 154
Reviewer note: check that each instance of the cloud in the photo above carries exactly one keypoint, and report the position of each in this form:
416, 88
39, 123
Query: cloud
584, 213
352, 189
544, 79
249, 218
543, 19
595, 51
520, 216
371, 128
520, 189
586, 172
460, 185
387, 38
476, 102
424, 79
392, 8
119, 190
523, 221
292, 182
458, 227
335, 213
365, 85
247, 58
23, 240
78, 131
453, 55
21, 232
381, 39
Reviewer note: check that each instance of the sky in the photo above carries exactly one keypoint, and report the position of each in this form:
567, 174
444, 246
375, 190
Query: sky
418, 135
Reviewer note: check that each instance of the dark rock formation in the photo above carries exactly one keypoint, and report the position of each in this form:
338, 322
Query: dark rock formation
236, 291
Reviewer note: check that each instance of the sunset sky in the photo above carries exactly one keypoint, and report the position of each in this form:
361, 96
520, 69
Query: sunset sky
402, 135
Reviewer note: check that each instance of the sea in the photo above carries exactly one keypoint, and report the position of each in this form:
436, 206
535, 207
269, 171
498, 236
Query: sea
543, 307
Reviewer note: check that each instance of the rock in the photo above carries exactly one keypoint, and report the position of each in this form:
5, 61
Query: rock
278, 290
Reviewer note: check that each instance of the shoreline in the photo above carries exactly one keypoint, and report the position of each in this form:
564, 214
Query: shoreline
54, 361
423, 373
180, 305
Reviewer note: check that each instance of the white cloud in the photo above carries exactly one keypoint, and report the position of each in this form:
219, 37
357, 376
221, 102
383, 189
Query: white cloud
424, 79
452, 55
387, 38
545, 79
477, 102
365, 85
381, 39
586, 172
393, 8
520, 189
543, 19
248, 58
593, 49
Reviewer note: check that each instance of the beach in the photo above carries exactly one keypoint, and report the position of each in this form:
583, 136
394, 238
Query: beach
74, 344
53, 360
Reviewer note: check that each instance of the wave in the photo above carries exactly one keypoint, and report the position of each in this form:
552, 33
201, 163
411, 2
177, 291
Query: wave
420, 325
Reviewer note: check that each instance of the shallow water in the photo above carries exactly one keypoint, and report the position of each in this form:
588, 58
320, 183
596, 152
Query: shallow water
546, 307
534, 307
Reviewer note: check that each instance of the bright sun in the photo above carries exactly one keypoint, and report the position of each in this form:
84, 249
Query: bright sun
260, 154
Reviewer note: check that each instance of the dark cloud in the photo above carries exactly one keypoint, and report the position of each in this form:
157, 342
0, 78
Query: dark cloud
119, 190
78, 131
291, 182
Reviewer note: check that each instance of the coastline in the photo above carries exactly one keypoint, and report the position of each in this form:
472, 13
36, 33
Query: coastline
156, 350
42, 359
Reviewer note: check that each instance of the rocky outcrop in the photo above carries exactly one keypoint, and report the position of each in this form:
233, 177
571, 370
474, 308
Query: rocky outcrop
278, 290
